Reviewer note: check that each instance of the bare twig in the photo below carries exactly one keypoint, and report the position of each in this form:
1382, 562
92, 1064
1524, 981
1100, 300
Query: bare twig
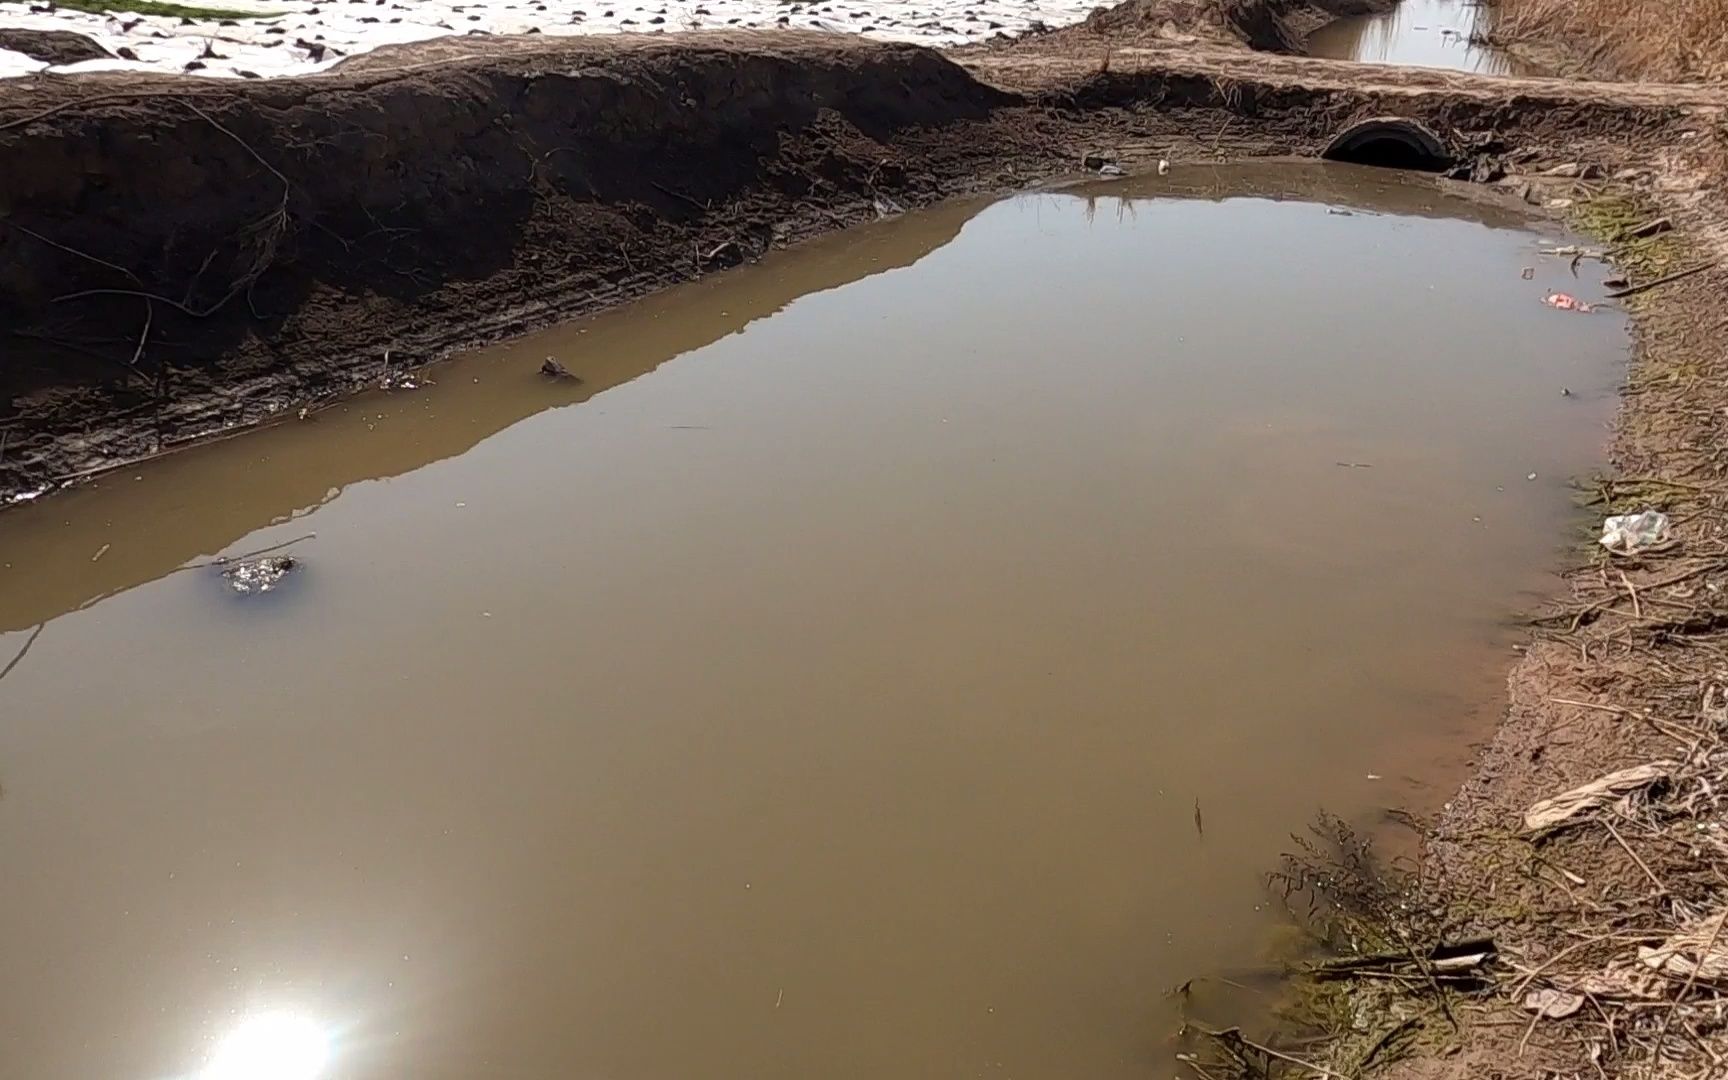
1428, 973
1228, 120
1642, 865
226, 560
31, 640
1229, 1035
1691, 979
86, 256
144, 335
1637, 612
704, 207
1665, 279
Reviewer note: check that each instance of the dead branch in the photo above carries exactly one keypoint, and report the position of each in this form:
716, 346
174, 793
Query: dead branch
1665, 279
1229, 1036
31, 640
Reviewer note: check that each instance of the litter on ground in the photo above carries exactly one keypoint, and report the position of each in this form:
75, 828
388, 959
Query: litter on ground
1627, 533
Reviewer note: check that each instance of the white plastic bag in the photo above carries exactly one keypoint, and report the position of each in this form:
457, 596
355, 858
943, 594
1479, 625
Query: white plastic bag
1635, 532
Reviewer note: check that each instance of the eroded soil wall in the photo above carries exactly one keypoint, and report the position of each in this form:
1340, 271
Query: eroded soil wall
162, 239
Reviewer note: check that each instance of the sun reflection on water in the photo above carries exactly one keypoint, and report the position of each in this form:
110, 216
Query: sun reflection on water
274, 1045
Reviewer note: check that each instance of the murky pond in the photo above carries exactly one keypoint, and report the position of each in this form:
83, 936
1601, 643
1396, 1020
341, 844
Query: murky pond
1418, 33
900, 658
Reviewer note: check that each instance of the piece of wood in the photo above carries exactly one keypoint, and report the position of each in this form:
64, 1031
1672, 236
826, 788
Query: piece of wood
1676, 276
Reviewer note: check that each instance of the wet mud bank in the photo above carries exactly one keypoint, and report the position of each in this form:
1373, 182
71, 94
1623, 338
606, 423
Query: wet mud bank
179, 259
1587, 842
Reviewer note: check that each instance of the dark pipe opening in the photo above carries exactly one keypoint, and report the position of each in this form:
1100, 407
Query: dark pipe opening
1391, 143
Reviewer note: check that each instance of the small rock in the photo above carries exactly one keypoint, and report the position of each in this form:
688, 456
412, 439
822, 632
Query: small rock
552, 369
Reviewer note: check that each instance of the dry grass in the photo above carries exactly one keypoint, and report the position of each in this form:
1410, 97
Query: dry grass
1650, 40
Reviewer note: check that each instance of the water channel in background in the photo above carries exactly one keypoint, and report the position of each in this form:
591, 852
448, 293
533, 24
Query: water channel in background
1418, 33
827, 685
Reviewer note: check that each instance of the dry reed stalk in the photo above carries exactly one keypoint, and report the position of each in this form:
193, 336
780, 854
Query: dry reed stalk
1651, 40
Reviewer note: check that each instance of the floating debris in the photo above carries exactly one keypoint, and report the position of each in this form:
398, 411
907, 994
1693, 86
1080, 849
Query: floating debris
1574, 251
400, 380
552, 369
260, 575
1566, 302
886, 207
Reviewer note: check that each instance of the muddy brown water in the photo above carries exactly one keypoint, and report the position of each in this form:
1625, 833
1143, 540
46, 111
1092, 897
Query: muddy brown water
825, 687
1418, 33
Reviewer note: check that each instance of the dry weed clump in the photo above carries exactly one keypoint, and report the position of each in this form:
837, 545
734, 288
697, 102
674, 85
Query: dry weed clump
1386, 973
1651, 40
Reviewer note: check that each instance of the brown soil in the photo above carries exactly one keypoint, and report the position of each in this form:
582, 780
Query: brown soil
1268, 25
51, 46
179, 258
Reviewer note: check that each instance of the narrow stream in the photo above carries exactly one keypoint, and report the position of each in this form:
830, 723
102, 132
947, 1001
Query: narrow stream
901, 658
1418, 33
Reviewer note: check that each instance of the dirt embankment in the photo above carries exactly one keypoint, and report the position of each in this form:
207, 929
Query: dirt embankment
177, 256
180, 257
1280, 26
